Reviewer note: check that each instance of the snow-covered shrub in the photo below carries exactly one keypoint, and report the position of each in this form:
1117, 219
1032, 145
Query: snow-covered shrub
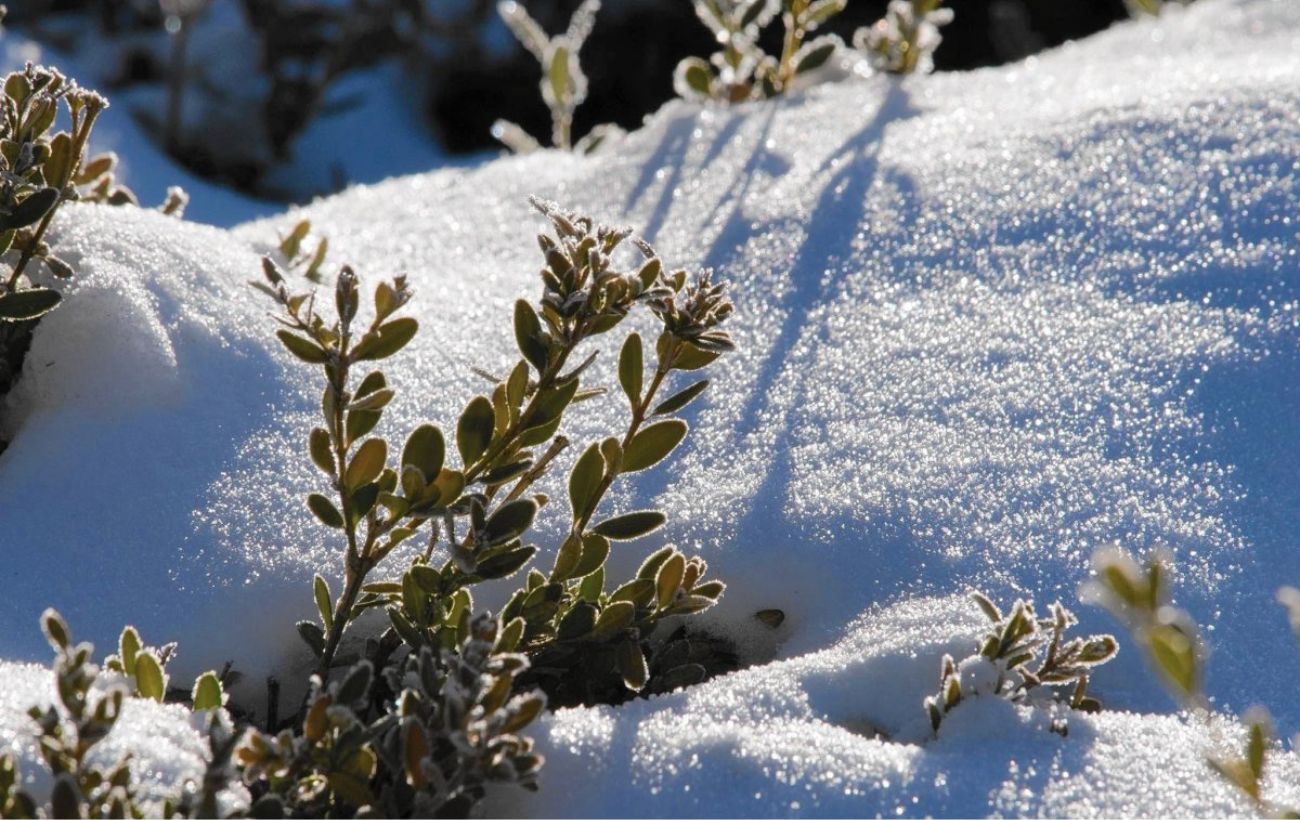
40, 169
563, 84
905, 39
742, 70
1020, 653
430, 750
507, 443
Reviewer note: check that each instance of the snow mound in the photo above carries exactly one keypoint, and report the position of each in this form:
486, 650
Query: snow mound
836, 732
989, 322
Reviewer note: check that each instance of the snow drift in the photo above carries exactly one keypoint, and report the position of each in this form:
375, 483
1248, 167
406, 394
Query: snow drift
989, 322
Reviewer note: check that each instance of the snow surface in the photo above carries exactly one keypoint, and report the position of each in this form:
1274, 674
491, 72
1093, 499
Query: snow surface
989, 322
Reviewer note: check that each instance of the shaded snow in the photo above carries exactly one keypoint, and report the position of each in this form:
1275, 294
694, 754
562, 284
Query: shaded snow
989, 322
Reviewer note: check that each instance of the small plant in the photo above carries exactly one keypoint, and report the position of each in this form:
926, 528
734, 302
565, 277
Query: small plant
67, 734
39, 170
1019, 654
85, 714
587, 644
431, 752
563, 85
905, 39
742, 71
1138, 596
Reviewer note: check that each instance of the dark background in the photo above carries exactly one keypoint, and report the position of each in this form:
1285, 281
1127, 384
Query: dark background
470, 70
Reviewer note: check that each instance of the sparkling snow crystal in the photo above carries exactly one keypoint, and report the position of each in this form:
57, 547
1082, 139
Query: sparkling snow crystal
989, 322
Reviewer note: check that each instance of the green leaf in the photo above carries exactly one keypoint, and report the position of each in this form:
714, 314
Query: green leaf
474, 430
506, 472
630, 525
65, 797
652, 444
325, 511
356, 684
55, 629
505, 564
669, 579
511, 635
362, 501
322, 454
585, 479
58, 165
1175, 656
614, 618
31, 303
815, 54
639, 592
558, 74
595, 549
207, 692
632, 665
128, 646
691, 357
591, 586
649, 568
302, 347
552, 403
390, 338
693, 75
31, 210
509, 521
631, 369
517, 384
988, 607
149, 679
425, 450
680, 399
525, 710
528, 335
367, 464
321, 591
577, 623
361, 422
567, 558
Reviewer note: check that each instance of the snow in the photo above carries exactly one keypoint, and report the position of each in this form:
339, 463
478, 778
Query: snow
165, 741
989, 322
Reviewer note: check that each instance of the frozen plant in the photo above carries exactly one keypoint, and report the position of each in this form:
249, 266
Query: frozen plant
1020, 653
594, 642
1138, 596
742, 71
431, 750
40, 169
295, 256
85, 714
563, 84
905, 39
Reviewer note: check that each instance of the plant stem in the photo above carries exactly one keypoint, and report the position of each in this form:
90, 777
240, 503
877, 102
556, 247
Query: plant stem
353, 579
638, 418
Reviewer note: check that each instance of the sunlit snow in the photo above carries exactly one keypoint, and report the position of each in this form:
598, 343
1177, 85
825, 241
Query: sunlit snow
989, 322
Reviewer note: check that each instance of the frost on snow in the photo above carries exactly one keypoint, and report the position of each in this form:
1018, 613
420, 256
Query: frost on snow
989, 322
